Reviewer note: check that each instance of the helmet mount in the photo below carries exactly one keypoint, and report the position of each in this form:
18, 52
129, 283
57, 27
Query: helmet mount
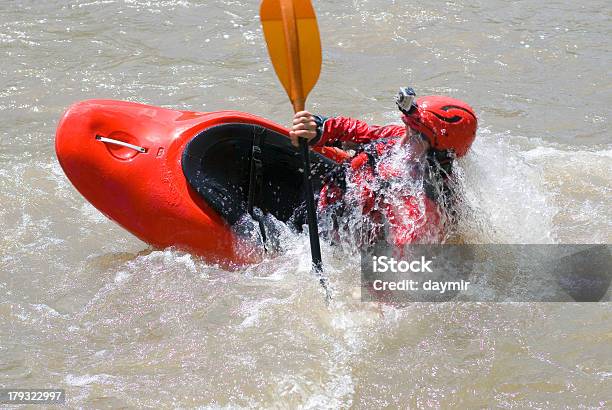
405, 99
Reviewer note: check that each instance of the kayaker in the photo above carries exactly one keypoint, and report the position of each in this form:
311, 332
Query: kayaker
436, 130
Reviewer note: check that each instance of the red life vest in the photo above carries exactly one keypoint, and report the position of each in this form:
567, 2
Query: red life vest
414, 218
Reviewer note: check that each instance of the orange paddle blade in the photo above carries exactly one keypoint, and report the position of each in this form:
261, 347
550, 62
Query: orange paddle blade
292, 34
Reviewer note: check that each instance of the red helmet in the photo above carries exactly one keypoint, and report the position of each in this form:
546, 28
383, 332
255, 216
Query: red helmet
447, 123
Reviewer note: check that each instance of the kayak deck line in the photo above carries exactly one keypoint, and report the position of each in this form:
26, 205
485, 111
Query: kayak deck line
120, 143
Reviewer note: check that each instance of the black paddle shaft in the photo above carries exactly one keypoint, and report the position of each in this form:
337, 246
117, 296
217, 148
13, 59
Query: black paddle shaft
313, 227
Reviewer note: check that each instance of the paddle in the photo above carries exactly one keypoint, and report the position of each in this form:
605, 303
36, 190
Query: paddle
292, 35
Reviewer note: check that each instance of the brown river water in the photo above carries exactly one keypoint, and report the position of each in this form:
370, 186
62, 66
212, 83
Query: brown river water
86, 307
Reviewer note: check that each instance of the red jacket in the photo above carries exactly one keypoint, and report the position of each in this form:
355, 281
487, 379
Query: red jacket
410, 219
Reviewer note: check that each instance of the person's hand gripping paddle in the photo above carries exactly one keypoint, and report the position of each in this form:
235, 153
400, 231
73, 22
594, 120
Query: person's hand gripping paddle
291, 32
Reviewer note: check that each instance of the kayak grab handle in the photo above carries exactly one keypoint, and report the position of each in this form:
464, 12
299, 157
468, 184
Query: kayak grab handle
121, 143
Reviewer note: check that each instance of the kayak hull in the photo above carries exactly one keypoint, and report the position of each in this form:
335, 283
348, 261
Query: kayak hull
141, 186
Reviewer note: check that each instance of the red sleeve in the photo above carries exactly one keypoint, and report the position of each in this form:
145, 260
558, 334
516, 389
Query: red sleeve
346, 129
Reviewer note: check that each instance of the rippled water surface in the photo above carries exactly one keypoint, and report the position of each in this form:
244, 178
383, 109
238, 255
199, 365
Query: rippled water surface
87, 307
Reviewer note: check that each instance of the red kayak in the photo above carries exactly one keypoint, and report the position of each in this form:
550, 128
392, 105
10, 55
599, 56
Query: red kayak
184, 179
